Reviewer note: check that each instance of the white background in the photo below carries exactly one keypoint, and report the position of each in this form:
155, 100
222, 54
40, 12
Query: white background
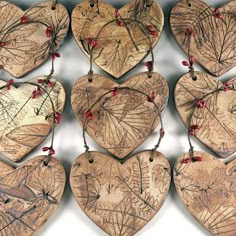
173, 218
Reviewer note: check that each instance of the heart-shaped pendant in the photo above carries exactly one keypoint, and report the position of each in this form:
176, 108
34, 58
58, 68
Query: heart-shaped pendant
27, 38
209, 105
208, 190
29, 195
124, 38
120, 198
206, 33
124, 120
26, 122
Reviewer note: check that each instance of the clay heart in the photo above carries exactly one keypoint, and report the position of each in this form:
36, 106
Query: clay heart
122, 122
26, 122
210, 105
120, 198
206, 33
208, 190
119, 48
29, 195
24, 44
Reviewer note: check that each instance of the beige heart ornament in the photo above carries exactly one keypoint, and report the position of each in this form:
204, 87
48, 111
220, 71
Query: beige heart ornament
122, 121
29, 195
27, 38
124, 37
206, 33
216, 120
208, 190
26, 122
120, 198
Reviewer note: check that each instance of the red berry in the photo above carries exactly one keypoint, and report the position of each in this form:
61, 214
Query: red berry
195, 127
185, 63
48, 33
87, 113
191, 60
90, 40
8, 87
57, 114
226, 83
114, 91
149, 65
44, 149
40, 81
153, 32
91, 117
198, 102
1, 67
153, 95
52, 151
149, 27
94, 43
120, 23
34, 94
187, 160
192, 132
53, 57
188, 32
39, 91
57, 54
57, 120
226, 89
3, 44
50, 28
10, 82
24, 19
50, 84
117, 14
198, 158
204, 104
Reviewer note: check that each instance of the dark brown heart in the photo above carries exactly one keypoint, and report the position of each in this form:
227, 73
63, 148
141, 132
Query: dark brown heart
208, 190
121, 198
119, 48
29, 195
217, 121
25, 46
122, 122
23, 123
206, 33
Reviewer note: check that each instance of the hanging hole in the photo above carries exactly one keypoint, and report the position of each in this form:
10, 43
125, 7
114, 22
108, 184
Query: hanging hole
194, 78
189, 4
149, 76
45, 163
53, 8
151, 159
91, 4
7, 201
90, 80
148, 4
90, 161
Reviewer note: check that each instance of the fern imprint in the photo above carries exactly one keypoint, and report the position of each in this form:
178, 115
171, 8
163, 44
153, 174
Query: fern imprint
120, 198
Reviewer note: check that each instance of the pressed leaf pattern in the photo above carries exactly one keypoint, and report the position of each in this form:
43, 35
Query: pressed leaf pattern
29, 195
217, 120
122, 122
122, 209
26, 44
205, 188
212, 39
119, 49
23, 119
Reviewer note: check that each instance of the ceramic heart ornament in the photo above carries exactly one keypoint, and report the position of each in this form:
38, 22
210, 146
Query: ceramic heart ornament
25, 42
122, 121
124, 38
209, 105
29, 195
208, 190
120, 198
26, 122
207, 33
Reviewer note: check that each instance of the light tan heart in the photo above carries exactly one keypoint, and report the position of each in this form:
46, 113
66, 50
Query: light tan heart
122, 122
208, 190
119, 49
29, 195
27, 45
23, 123
218, 120
121, 198
212, 39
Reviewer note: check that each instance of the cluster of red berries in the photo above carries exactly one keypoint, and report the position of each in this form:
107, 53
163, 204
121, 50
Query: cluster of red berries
201, 103
193, 159
193, 129
9, 83
118, 22
89, 115
151, 97
92, 42
190, 63
48, 82
151, 30
217, 13
50, 149
226, 86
